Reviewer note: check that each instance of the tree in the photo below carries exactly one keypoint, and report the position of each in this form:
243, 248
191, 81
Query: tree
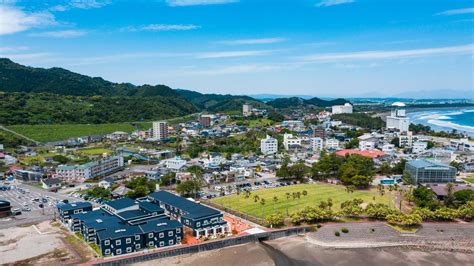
404, 219
356, 165
399, 167
327, 166
189, 187
61, 159
424, 198
140, 186
275, 200
263, 202
361, 181
385, 169
449, 198
463, 196
196, 170
288, 196
298, 171
353, 143
459, 166
168, 179
466, 211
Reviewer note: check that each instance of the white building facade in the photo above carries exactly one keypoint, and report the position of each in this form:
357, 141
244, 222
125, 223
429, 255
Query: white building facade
160, 130
269, 145
342, 109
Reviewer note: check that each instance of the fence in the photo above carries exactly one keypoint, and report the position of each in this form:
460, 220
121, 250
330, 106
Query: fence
245, 216
206, 246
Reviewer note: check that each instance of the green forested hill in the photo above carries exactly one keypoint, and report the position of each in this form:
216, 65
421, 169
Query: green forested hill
295, 102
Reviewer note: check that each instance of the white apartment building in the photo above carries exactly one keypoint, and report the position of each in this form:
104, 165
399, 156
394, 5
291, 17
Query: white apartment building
269, 145
419, 147
331, 144
388, 148
405, 140
342, 109
397, 119
90, 170
160, 130
366, 145
317, 144
461, 144
290, 141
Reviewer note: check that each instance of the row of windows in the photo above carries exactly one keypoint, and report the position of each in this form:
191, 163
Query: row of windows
138, 246
137, 237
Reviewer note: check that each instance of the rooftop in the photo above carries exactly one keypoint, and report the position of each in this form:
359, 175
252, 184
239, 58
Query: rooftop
194, 210
366, 153
74, 205
427, 164
120, 203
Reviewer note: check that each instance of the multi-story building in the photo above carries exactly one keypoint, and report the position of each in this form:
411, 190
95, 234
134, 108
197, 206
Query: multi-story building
206, 120
366, 145
405, 139
317, 144
160, 130
90, 170
388, 148
342, 109
419, 147
202, 220
269, 145
424, 171
66, 210
290, 141
246, 110
175, 163
461, 144
397, 120
331, 144
26, 175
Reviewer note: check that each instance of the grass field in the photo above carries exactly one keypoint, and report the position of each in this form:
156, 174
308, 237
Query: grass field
45, 133
469, 179
316, 194
94, 151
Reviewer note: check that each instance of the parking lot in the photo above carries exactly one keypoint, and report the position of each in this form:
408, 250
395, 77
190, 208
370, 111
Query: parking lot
28, 200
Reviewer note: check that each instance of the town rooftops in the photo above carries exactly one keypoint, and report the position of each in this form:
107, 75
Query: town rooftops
150, 207
74, 206
118, 231
428, 164
193, 210
120, 203
441, 189
101, 222
366, 153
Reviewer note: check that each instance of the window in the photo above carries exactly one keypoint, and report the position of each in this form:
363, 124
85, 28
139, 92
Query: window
162, 244
198, 224
118, 251
187, 222
129, 249
128, 240
178, 230
205, 222
171, 242
150, 235
170, 233
107, 252
162, 235
107, 242
137, 237
151, 244
118, 242
137, 246
178, 239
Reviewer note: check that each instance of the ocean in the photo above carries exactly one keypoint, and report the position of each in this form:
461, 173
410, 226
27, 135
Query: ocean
460, 119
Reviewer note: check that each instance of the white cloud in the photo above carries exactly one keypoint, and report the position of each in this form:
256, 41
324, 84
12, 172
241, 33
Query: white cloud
326, 3
397, 54
226, 54
163, 27
198, 2
60, 34
238, 69
80, 4
253, 41
13, 49
457, 12
16, 20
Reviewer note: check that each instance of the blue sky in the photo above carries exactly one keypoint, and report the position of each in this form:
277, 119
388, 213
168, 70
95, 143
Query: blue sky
315, 47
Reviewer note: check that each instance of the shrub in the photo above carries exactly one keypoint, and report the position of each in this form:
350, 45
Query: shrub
275, 220
318, 225
337, 233
345, 230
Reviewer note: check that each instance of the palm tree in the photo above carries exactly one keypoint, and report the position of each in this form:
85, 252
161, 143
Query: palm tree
275, 199
305, 193
262, 202
330, 203
298, 195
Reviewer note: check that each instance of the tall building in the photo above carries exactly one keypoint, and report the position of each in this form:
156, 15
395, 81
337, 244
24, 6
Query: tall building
246, 110
290, 141
342, 109
424, 171
90, 170
269, 145
397, 119
160, 130
317, 144
205, 120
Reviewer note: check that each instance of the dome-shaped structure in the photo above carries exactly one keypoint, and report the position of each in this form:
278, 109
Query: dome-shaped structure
398, 104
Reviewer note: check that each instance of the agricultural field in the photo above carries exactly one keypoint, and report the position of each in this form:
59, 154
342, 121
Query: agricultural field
45, 133
315, 194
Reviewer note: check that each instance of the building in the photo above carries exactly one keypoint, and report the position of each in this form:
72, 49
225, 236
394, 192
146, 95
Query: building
290, 141
51, 183
388, 148
405, 139
206, 120
331, 144
424, 171
419, 147
26, 175
317, 144
118, 135
461, 144
441, 191
397, 120
246, 110
175, 163
90, 170
160, 130
202, 220
66, 210
342, 109
269, 145
366, 145
367, 153
5, 208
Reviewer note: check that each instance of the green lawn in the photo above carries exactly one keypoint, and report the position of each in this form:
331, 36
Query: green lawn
44, 133
316, 194
469, 179
94, 151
